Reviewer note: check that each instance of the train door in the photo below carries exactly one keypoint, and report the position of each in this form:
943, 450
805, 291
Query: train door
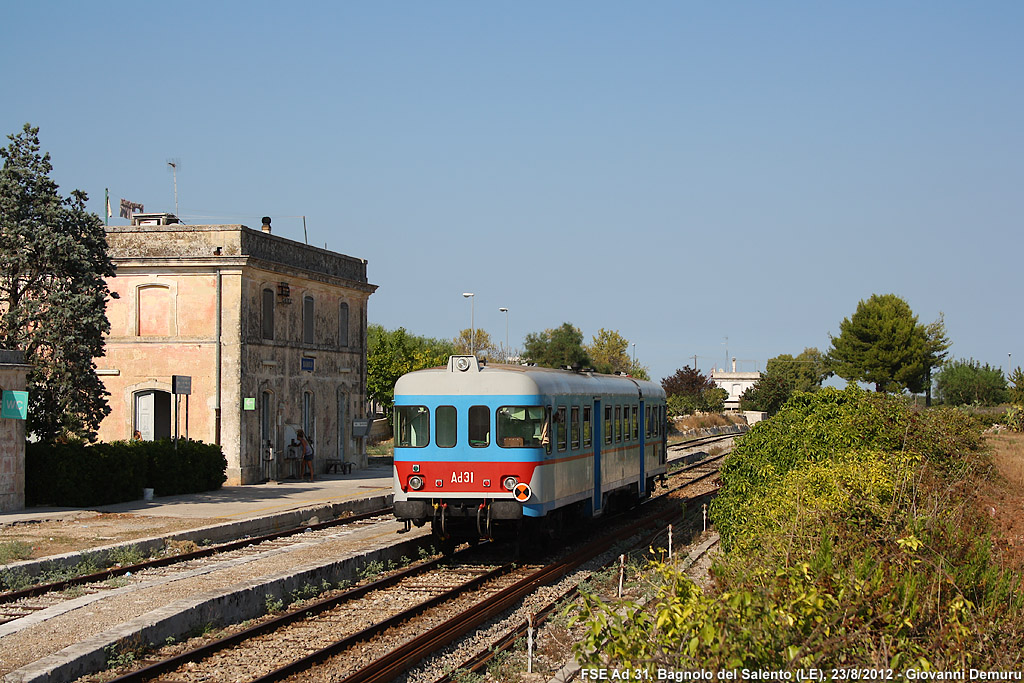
643, 448
598, 440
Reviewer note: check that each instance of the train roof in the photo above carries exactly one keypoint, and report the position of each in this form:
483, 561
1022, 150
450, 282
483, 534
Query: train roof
465, 375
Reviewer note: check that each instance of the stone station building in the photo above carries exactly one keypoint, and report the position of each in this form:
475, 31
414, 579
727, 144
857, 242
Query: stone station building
271, 333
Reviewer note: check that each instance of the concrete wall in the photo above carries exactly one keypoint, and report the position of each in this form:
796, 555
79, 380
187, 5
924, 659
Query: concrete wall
13, 375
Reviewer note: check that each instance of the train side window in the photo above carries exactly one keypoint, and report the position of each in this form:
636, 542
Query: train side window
445, 423
479, 426
574, 427
647, 421
608, 436
412, 426
520, 426
561, 428
635, 423
587, 427
618, 424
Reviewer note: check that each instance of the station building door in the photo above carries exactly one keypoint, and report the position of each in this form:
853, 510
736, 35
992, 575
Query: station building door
153, 414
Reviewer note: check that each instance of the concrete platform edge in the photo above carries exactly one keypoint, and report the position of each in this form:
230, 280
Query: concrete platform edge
216, 533
178, 619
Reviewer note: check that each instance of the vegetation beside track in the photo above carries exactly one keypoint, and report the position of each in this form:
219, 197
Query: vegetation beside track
854, 538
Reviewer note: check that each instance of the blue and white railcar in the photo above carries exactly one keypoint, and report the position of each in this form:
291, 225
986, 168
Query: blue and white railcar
477, 446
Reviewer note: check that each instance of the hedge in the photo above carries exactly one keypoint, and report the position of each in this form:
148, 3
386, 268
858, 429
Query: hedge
79, 475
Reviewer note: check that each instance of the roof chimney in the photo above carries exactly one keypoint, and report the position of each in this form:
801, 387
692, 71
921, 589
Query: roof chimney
733, 359
266, 224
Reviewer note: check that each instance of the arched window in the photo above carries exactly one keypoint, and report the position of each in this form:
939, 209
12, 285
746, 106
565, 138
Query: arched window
268, 313
154, 311
343, 325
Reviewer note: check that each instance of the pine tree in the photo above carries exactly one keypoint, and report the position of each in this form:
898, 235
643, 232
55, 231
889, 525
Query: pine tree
556, 348
883, 344
52, 292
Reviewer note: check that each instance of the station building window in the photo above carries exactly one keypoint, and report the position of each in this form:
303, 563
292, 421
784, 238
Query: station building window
343, 325
268, 313
155, 304
307, 319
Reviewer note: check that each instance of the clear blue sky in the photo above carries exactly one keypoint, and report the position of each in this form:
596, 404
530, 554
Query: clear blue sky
682, 172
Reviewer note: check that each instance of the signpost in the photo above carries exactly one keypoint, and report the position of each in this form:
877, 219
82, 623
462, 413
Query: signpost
180, 384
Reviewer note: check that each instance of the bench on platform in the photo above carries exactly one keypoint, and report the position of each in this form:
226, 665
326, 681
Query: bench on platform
335, 464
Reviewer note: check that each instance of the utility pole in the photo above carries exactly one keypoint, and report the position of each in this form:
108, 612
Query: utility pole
173, 163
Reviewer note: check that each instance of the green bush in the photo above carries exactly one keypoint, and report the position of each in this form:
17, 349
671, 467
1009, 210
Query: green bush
78, 474
1014, 418
855, 539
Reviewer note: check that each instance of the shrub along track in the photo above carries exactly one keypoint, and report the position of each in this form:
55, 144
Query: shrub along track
364, 622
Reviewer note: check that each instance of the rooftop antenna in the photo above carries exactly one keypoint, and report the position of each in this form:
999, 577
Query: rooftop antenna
174, 164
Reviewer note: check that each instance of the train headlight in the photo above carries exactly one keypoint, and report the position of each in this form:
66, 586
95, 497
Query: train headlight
415, 483
509, 483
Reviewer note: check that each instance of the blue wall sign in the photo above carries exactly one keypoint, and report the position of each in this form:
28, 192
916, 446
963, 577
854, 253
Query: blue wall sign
307, 364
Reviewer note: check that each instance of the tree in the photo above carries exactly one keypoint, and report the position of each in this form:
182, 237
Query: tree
966, 382
689, 390
686, 381
483, 347
883, 344
53, 296
767, 395
1016, 392
609, 352
806, 372
393, 353
557, 348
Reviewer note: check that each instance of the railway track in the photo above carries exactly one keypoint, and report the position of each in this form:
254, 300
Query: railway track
15, 605
379, 631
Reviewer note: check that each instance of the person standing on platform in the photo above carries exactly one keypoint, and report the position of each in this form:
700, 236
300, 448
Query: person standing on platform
307, 454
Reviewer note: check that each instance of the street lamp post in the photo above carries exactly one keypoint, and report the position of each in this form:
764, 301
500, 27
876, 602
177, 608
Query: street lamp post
472, 321
505, 311
634, 359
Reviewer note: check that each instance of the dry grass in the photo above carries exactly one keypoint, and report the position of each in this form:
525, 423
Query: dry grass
1008, 452
702, 420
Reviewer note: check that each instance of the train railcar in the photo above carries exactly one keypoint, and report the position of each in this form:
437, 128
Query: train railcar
484, 448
